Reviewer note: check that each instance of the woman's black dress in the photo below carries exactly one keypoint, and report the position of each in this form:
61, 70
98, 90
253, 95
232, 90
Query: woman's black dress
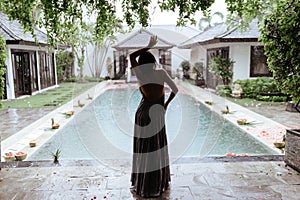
150, 170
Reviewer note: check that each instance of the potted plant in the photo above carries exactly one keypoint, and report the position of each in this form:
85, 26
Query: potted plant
56, 156
198, 69
185, 65
53, 124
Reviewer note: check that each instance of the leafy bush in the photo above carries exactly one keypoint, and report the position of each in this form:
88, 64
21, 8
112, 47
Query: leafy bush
72, 79
64, 64
279, 98
222, 67
280, 36
93, 79
262, 89
263, 98
223, 90
185, 65
198, 69
2, 66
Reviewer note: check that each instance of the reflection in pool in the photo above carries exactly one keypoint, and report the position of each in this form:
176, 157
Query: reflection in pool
104, 129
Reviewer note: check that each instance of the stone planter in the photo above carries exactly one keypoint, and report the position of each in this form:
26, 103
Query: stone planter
200, 82
292, 149
291, 107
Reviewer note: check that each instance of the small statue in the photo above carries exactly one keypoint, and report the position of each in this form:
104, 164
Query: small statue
237, 91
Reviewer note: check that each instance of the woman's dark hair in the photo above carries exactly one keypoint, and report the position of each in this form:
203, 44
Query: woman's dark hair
146, 57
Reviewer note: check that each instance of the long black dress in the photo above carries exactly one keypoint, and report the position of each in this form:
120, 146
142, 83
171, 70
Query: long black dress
150, 170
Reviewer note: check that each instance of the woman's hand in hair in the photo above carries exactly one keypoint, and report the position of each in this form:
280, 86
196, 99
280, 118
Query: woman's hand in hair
152, 42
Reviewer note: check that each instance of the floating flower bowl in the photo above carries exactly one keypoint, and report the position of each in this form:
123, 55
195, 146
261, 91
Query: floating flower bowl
21, 156
225, 111
9, 157
242, 121
55, 126
32, 143
208, 102
279, 145
70, 112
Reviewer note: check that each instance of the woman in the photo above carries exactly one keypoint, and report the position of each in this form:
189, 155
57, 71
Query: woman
150, 170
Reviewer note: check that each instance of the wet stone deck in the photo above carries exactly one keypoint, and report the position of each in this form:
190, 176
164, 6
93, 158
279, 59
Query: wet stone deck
271, 180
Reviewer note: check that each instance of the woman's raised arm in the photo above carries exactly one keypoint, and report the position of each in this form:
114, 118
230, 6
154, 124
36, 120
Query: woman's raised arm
134, 55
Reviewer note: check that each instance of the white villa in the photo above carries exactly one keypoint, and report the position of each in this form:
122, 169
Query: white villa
166, 52
242, 47
30, 67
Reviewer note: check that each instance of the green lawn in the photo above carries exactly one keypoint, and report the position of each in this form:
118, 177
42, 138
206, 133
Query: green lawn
244, 101
50, 98
252, 102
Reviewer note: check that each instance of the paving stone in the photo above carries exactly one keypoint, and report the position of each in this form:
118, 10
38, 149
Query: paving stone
256, 192
208, 192
120, 182
289, 192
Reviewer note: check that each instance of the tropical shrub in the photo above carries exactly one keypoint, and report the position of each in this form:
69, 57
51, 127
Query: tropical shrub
222, 67
263, 89
2, 66
280, 35
185, 65
64, 64
198, 68
223, 90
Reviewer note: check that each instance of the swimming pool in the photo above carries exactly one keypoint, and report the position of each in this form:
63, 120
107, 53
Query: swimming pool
104, 129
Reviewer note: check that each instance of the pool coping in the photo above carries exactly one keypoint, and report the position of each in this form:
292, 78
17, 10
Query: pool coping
265, 130
124, 162
41, 132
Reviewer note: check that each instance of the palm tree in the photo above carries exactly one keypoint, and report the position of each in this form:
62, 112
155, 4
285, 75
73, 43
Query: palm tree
209, 21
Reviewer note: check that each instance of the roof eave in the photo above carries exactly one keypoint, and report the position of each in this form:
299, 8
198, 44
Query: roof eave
218, 40
238, 39
157, 47
22, 42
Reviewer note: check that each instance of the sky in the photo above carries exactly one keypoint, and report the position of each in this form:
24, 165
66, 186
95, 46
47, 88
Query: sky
160, 18
170, 17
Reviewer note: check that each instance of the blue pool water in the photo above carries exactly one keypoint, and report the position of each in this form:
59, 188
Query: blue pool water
104, 130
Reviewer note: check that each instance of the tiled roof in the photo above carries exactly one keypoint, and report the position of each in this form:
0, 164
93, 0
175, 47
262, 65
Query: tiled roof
12, 30
207, 35
170, 33
251, 32
220, 32
139, 39
173, 33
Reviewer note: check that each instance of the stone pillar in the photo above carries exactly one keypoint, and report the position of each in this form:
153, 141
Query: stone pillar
292, 149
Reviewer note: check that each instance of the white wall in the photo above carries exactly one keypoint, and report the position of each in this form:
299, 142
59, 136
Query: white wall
198, 54
238, 52
96, 56
179, 55
9, 75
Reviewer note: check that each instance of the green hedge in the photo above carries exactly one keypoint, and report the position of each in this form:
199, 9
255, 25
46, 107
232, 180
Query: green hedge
223, 90
263, 89
88, 79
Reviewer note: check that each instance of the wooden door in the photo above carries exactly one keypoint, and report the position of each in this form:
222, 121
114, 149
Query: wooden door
22, 78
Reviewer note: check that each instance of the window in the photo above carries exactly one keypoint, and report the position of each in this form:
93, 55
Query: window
258, 65
165, 59
223, 52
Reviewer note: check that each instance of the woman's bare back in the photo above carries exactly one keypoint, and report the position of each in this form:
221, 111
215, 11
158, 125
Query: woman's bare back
153, 91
